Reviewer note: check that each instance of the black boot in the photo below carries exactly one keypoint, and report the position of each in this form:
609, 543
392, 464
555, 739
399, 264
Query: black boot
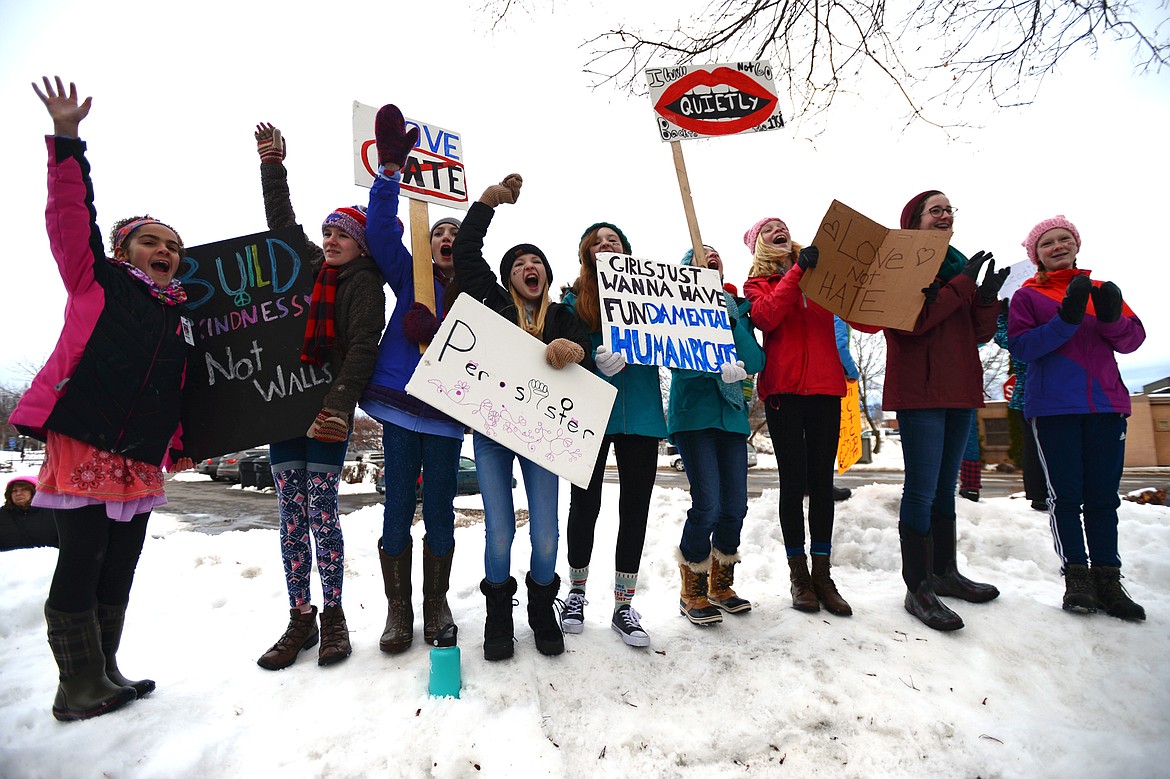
111, 619
542, 618
436, 581
921, 600
498, 630
945, 578
1080, 594
399, 631
84, 690
1112, 595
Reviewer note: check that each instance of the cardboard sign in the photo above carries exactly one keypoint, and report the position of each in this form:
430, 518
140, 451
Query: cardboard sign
849, 443
657, 313
1018, 273
710, 101
434, 167
869, 274
490, 375
246, 384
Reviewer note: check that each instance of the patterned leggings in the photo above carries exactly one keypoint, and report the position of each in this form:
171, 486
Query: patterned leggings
308, 502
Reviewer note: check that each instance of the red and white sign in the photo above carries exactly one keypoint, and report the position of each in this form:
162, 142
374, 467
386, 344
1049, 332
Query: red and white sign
709, 101
1009, 387
434, 168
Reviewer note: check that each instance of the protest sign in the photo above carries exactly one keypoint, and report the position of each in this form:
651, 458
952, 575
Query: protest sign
490, 375
434, 167
656, 313
706, 101
1018, 273
871, 275
849, 442
245, 383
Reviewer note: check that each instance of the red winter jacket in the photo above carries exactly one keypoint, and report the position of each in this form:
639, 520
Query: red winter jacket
800, 346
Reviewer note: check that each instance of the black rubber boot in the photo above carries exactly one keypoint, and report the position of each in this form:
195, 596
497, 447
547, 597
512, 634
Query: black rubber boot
921, 600
945, 578
84, 690
111, 619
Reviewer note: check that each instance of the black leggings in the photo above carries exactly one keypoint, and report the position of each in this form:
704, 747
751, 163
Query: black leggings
97, 558
805, 430
637, 463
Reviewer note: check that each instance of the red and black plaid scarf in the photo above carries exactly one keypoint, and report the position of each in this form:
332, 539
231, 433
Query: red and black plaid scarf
320, 334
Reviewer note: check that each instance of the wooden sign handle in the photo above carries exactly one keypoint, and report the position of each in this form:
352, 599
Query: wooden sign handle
684, 189
420, 249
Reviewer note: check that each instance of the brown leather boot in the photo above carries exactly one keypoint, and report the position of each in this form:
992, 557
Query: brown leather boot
720, 581
436, 581
399, 631
301, 633
825, 589
804, 598
692, 602
335, 645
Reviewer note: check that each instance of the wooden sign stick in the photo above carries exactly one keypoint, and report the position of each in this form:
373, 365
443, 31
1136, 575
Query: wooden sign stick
684, 189
420, 249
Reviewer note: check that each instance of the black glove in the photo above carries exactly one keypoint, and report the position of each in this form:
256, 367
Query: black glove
992, 281
808, 257
1107, 302
1003, 307
1072, 308
971, 269
931, 292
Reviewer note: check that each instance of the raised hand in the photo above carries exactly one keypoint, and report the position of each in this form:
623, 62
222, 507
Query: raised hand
1107, 302
931, 292
992, 281
732, 372
507, 191
971, 269
392, 139
808, 257
270, 144
64, 109
1076, 297
609, 363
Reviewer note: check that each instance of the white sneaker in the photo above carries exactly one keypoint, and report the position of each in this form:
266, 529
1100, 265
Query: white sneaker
573, 614
625, 622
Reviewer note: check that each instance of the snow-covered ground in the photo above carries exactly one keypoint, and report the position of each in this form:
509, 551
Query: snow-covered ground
1025, 690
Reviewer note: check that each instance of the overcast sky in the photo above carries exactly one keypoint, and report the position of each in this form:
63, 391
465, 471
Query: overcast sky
178, 91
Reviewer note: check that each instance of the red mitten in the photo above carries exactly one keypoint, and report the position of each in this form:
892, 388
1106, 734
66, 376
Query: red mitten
392, 138
329, 427
269, 143
420, 325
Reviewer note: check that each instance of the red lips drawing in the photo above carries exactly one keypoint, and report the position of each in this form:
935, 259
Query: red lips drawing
745, 106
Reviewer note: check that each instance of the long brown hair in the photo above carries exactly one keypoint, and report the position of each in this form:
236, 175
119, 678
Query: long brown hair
588, 300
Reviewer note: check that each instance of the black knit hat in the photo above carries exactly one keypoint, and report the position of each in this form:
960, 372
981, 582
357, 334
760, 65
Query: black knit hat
519, 250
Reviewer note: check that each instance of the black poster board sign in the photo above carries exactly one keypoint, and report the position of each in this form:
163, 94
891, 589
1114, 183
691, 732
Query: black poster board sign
246, 384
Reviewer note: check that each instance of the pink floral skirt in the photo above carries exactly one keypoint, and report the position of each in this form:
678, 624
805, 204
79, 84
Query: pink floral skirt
77, 474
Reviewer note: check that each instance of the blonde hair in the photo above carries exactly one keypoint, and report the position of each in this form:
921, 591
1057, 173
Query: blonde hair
769, 258
536, 326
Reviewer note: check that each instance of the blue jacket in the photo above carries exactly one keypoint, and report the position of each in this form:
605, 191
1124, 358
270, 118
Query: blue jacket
637, 410
1071, 368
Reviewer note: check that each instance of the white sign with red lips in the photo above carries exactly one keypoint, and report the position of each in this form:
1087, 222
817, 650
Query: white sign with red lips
434, 167
709, 101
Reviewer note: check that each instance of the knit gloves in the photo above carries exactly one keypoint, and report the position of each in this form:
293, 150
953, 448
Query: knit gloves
329, 427
808, 257
1107, 302
931, 292
732, 372
562, 351
609, 363
270, 143
971, 269
420, 325
392, 138
507, 191
992, 281
1076, 297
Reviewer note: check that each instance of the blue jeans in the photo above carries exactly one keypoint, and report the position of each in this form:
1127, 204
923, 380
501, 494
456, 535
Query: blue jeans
408, 453
716, 465
309, 454
1082, 456
933, 440
493, 465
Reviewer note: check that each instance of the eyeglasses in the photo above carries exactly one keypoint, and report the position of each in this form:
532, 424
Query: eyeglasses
938, 211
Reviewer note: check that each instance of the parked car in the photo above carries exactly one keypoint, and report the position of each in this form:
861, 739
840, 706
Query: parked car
229, 464
209, 467
677, 462
467, 484
256, 470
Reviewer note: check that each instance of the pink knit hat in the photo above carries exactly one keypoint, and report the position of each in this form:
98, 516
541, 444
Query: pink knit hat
749, 238
1033, 238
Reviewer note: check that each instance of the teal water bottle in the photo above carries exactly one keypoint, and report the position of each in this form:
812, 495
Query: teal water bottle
446, 680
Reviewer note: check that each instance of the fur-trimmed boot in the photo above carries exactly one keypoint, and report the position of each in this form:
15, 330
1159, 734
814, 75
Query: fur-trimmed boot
1111, 594
804, 597
499, 632
300, 634
921, 600
111, 619
945, 578
720, 581
693, 602
826, 589
399, 631
84, 690
436, 582
542, 617
335, 645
